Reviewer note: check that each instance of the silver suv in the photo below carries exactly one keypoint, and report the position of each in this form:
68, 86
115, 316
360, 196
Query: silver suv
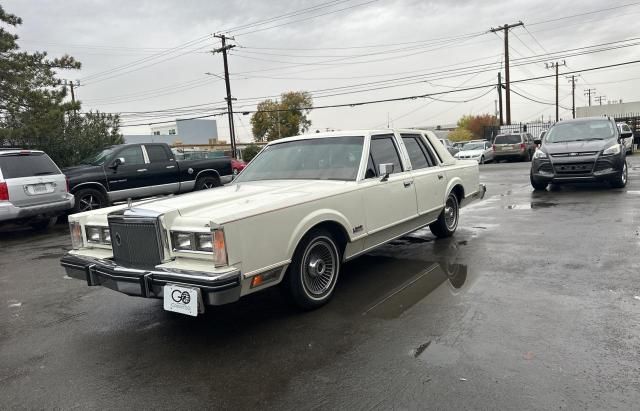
514, 146
33, 190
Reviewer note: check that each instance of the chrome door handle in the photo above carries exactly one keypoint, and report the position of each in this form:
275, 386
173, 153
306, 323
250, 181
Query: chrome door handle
171, 166
407, 184
440, 176
141, 170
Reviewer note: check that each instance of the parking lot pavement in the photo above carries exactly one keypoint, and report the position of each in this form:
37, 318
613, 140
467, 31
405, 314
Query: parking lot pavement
534, 303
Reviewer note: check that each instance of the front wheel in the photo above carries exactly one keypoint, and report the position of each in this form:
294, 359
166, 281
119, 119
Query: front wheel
621, 180
481, 160
207, 182
447, 222
313, 273
537, 184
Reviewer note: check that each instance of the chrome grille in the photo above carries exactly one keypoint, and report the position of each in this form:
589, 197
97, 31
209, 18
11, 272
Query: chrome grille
136, 242
579, 154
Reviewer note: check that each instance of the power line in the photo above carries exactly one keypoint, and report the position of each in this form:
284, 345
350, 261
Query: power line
583, 14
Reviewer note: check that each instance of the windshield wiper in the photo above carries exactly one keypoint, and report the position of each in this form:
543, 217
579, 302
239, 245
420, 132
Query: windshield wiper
44, 173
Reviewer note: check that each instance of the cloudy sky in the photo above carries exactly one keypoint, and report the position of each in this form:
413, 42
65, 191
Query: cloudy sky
151, 56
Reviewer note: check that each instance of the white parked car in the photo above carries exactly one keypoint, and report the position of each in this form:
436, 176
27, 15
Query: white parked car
299, 210
627, 142
481, 151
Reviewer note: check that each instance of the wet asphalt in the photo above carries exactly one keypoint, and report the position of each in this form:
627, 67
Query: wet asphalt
534, 304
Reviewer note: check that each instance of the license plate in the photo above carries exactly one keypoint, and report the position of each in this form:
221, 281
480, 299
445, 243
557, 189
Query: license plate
506, 148
183, 300
39, 188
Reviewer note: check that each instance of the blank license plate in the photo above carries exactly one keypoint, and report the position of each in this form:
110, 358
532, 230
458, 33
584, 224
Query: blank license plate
183, 300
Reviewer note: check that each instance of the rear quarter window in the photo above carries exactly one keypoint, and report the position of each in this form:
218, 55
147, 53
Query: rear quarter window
18, 166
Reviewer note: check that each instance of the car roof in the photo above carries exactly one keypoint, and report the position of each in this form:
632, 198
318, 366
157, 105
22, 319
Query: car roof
348, 133
581, 119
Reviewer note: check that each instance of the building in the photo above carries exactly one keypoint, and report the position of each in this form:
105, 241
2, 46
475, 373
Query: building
182, 132
615, 110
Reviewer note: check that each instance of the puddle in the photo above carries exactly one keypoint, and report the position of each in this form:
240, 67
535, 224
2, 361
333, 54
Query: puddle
531, 206
635, 192
418, 287
438, 355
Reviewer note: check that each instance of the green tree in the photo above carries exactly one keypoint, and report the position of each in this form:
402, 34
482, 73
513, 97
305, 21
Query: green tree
460, 134
33, 111
250, 152
476, 124
284, 118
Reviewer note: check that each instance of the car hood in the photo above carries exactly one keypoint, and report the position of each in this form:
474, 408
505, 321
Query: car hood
80, 170
236, 201
577, 146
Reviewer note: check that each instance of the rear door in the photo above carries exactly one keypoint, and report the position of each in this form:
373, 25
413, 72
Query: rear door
162, 170
32, 178
429, 180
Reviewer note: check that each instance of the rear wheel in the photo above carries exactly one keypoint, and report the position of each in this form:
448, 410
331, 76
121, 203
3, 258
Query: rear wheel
313, 273
481, 160
621, 180
207, 182
88, 199
44, 224
447, 222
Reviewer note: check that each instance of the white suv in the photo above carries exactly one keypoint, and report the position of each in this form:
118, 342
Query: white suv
33, 190
627, 142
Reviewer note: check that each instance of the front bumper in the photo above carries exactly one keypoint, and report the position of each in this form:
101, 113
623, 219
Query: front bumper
581, 170
9, 212
216, 289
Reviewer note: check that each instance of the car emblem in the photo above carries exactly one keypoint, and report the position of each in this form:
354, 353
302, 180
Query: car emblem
573, 154
118, 239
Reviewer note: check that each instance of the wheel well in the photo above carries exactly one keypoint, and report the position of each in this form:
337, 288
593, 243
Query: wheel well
338, 232
458, 190
208, 173
94, 186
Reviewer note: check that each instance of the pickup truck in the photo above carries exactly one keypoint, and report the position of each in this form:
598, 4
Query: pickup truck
133, 171
296, 213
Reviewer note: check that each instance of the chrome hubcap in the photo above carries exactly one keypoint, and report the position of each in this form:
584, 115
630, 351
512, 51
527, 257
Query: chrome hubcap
450, 213
88, 203
319, 266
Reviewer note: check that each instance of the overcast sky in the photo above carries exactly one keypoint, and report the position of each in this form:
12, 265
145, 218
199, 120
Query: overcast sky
140, 56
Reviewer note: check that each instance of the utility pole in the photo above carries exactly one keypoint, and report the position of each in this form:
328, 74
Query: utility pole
589, 92
500, 97
506, 28
572, 79
73, 95
555, 66
599, 99
223, 50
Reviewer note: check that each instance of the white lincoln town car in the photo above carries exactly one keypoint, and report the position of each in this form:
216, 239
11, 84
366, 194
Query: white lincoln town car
300, 209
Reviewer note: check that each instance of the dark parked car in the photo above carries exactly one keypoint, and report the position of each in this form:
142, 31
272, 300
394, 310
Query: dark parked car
141, 170
581, 150
516, 146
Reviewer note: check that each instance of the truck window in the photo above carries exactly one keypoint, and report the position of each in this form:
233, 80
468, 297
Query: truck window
157, 154
132, 155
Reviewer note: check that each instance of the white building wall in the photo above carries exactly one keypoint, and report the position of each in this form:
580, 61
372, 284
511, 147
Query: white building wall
613, 110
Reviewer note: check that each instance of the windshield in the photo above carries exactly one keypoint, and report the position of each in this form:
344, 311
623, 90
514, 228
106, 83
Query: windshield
580, 131
508, 139
99, 158
335, 158
473, 146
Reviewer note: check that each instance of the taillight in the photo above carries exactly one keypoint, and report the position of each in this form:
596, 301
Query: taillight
67, 180
522, 146
4, 192
493, 147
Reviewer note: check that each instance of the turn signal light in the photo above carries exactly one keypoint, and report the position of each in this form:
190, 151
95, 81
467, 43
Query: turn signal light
76, 235
4, 192
219, 248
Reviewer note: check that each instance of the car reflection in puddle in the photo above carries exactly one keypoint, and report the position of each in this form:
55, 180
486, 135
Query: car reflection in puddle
389, 286
530, 206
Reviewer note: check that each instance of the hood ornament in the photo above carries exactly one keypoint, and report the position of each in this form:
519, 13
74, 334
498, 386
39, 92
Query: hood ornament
129, 203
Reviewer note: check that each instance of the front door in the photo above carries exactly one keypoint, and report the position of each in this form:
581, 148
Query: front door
389, 204
128, 179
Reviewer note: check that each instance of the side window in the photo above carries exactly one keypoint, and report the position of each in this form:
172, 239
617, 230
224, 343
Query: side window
371, 169
417, 153
384, 151
132, 155
157, 154
429, 150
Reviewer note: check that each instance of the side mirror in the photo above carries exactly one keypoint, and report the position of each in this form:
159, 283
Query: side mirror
384, 170
537, 141
117, 162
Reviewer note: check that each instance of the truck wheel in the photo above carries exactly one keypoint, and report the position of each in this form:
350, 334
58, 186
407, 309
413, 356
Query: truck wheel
313, 273
44, 224
88, 199
537, 184
447, 222
621, 180
206, 182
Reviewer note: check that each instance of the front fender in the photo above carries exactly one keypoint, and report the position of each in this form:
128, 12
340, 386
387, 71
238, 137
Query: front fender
312, 220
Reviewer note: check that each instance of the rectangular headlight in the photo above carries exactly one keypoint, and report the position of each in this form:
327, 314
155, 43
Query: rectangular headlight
182, 241
76, 235
94, 234
219, 248
204, 242
106, 235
